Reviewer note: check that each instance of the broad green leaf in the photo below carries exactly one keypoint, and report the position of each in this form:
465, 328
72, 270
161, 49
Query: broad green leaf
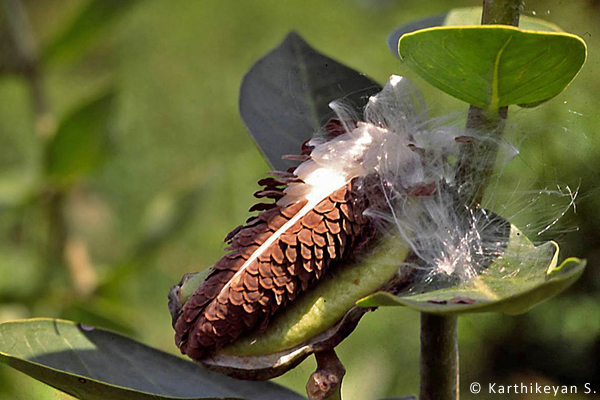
522, 277
285, 96
81, 142
94, 364
89, 24
460, 17
493, 66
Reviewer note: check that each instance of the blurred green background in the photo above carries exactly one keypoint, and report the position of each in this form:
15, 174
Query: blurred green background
178, 170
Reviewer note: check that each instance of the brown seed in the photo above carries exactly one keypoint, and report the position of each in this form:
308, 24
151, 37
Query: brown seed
267, 215
295, 228
264, 268
311, 219
236, 298
320, 264
243, 241
252, 268
293, 209
277, 253
346, 226
278, 298
324, 206
347, 211
276, 221
262, 207
331, 251
333, 215
262, 237
252, 296
291, 286
305, 237
318, 253
223, 296
212, 291
250, 307
221, 311
294, 269
291, 254
247, 251
233, 255
340, 195
234, 232
321, 228
266, 283
265, 299
270, 182
224, 276
211, 314
333, 226
318, 239
281, 280
237, 284
305, 251
289, 239
250, 282
308, 265
278, 270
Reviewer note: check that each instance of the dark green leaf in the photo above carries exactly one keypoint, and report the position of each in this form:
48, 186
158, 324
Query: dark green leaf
81, 142
494, 66
94, 364
284, 98
459, 17
91, 21
523, 277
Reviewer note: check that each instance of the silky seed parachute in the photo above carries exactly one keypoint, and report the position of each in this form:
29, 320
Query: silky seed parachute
391, 174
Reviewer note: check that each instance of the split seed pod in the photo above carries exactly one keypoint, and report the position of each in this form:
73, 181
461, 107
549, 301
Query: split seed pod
315, 240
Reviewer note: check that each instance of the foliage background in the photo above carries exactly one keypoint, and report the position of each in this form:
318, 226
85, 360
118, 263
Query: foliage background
182, 169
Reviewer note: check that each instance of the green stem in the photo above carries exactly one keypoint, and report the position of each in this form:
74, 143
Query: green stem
478, 157
439, 334
439, 357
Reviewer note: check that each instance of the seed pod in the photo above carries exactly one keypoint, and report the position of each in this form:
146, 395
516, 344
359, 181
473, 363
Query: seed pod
318, 320
316, 226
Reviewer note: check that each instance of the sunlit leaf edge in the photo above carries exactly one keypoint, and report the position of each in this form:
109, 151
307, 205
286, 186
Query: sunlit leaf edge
30, 368
526, 22
472, 99
560, 278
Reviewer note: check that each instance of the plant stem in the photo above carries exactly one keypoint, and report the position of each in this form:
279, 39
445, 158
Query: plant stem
439, 357
439, 334
478, 157
326, 382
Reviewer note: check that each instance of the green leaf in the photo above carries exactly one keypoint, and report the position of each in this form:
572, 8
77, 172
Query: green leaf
94, 364
81, 142
522, 277
494, 66
459, 17
88, 25
285, 96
